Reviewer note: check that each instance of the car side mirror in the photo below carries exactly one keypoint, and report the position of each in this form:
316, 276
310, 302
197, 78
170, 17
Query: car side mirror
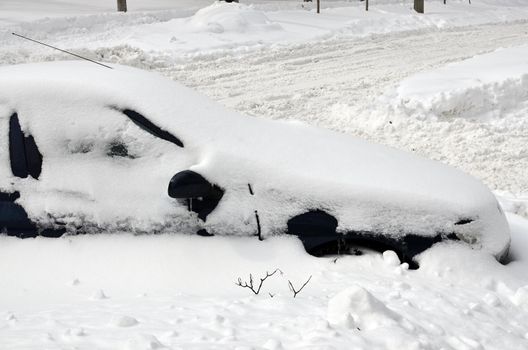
188, 184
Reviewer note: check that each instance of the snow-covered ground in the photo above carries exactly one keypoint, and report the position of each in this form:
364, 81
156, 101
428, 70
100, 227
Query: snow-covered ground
388, 75
178, 292
235, 28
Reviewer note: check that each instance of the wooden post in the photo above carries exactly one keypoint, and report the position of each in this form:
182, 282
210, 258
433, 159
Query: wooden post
318, 6
419, 6
121, 6
366, 5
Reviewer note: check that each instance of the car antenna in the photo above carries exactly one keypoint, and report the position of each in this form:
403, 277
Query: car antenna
56, 48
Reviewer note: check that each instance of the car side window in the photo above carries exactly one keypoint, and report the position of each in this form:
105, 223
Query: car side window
128, 136
25, 157
118, 148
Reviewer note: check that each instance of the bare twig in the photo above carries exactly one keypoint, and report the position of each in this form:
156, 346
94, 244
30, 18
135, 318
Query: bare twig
251, 286
292, 288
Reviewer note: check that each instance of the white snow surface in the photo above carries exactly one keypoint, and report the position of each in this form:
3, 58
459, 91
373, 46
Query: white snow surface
119, 291
16, 11
178, 292
232, 28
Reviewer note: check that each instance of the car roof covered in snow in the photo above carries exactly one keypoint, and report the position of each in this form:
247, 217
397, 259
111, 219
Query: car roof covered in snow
292, 155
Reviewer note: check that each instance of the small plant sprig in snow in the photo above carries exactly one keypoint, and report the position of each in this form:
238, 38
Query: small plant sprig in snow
251, 286
292, 287
256, 290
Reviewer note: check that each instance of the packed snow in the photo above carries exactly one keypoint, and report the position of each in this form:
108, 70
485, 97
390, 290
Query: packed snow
371, 75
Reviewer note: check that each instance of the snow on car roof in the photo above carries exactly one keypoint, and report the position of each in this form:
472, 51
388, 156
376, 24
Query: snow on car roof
205, 125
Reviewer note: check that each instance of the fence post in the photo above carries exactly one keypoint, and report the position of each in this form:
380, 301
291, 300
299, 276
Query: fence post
121, 6
419, 6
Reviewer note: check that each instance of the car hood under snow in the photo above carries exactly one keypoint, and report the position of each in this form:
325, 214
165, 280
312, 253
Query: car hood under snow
298, 167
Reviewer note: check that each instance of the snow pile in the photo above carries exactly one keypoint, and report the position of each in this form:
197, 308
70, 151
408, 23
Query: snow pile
355, 307
482, 87
124, 321
224, 17
521, 297
391, 258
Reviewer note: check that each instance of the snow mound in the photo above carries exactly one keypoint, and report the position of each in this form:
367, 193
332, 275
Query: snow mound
357, 307
99, 295
145, 342
125, 321
482, 87
391, 258
223, 17
520, 298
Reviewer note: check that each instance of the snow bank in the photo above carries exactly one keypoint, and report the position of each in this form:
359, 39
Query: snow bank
479, 88
234, 28
223, 17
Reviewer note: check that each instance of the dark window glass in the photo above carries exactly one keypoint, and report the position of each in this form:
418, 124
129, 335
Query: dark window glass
151, 128
23, 151
16, 148
33, 157
119, 149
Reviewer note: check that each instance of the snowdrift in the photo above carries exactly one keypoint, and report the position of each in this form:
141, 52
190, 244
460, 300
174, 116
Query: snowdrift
483, 87
223, 17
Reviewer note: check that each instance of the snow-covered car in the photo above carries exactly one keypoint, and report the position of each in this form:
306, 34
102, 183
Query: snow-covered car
87, 149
